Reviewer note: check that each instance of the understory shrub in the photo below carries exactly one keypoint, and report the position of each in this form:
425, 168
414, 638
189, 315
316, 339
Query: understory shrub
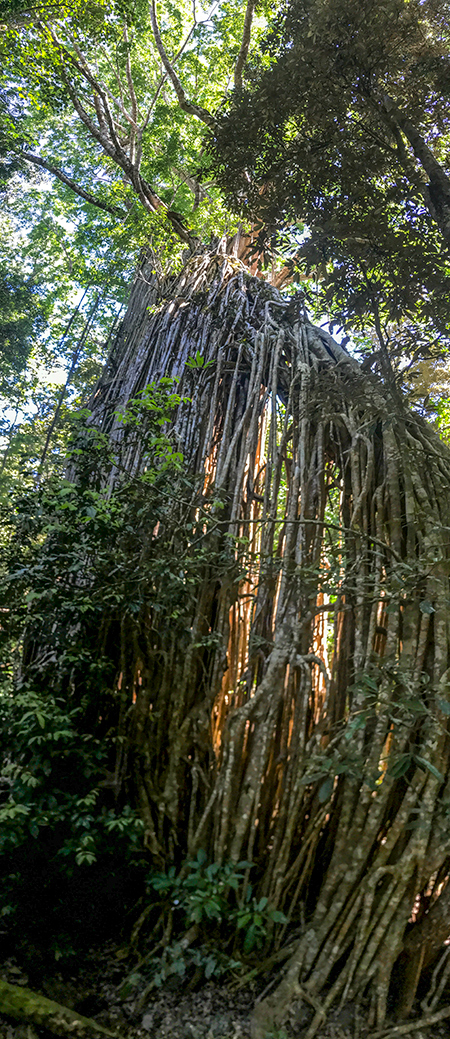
201, 922
71, 842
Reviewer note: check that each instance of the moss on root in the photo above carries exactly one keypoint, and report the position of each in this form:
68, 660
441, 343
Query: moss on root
24, 1005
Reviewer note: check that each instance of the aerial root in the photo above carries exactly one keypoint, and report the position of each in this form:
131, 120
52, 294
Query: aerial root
438, 984
262, 968
288, 720
413, 1026
270, 1011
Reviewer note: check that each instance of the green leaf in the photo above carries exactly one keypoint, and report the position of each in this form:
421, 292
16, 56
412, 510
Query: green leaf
278, 917
326, 789
427, 766
355, 724
426, 607
401, 766
243, 920
210, 967
250, 938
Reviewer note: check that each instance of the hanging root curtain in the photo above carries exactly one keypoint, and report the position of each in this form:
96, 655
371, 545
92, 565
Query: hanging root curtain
296, 714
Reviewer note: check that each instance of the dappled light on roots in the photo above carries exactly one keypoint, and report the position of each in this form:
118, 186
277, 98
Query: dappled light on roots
294, 713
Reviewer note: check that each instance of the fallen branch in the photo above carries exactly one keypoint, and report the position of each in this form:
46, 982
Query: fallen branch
24, 1005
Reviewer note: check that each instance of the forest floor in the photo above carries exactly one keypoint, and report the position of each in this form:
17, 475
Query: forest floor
214, 1010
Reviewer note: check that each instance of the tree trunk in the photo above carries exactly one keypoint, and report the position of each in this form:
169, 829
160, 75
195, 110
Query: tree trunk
297, 717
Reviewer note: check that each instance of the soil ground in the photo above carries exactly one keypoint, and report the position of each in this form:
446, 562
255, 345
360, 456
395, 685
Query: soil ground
215, 1010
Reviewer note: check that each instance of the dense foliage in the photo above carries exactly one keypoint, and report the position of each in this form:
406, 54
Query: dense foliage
346, 130
74, 553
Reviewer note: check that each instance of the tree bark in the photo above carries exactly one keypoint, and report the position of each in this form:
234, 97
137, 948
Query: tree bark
22, 1004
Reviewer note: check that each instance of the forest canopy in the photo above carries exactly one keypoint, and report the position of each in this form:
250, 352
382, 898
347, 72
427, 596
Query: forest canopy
346, 130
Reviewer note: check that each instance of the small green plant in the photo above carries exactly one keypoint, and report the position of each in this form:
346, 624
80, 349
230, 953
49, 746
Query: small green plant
254, 920
202, 893
198, 362
181, 962
214, 916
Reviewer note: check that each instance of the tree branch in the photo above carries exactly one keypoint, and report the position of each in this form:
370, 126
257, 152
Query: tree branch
130, 81
421, 150
242, 56
73, 365
37, 160
161, 84
163, 80
188, 106
145, 193
106, 135
437, 193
